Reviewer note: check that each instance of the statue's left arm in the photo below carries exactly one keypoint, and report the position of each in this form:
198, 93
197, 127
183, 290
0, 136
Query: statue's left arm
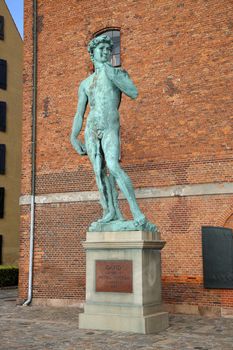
122, 80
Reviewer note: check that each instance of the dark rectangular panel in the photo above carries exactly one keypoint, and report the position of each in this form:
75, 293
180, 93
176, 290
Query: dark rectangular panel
3, 74
2, 116
114, 276
2, 197
1, 28
2, 158
217, 248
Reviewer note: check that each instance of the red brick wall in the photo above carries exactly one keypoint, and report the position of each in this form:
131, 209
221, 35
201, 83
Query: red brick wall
59, 263
178, 131
178, 55
144, 173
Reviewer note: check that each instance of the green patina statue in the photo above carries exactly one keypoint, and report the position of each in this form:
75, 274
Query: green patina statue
102, 90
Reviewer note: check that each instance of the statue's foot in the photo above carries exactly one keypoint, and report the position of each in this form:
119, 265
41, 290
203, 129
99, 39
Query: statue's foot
145, 224
110, 216
148, 226
119, 216
140, 220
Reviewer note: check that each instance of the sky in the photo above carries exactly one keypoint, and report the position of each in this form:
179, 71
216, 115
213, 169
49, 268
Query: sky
16, 10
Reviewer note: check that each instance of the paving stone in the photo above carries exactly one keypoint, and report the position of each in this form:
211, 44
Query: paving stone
45, 328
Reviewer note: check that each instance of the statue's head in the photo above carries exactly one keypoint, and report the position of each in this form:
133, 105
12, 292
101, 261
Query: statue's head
100, 48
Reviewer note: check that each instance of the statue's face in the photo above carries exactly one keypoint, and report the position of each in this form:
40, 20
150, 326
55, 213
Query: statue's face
102, 52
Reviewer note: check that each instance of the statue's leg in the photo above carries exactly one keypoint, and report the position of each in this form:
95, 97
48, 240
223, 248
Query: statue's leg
110, 144
96, 158
114, 191
111, 213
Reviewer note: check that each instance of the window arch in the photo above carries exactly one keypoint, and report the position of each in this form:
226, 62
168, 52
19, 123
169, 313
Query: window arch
229, 222
114, 34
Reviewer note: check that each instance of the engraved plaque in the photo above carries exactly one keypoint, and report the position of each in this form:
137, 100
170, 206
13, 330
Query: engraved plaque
114, 276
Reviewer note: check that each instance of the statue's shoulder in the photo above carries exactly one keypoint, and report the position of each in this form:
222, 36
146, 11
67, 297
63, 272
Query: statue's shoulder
86, 82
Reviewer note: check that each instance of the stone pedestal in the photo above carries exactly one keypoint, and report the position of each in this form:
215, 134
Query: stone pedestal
123, 282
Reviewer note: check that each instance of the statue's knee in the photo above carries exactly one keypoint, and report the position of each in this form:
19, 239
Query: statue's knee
114, 169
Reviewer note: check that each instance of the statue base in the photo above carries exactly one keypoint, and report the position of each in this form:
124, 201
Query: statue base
122, 225
123, 282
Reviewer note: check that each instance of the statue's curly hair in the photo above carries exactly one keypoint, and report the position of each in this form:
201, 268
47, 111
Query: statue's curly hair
96, 41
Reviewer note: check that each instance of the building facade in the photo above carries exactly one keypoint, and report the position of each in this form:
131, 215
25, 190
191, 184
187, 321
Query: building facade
176, 140
11, 89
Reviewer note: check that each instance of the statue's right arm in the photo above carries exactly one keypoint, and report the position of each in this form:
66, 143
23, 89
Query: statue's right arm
78, 121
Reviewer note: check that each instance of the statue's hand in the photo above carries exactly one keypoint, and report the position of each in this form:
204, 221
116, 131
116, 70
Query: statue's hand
78, 146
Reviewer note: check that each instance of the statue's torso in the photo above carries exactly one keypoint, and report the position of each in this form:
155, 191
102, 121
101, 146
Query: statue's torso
104, 99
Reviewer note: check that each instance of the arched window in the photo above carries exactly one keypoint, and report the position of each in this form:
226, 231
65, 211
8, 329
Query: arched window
114, 34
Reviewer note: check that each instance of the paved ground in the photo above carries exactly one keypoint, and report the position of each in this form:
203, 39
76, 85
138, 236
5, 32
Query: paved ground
43, 328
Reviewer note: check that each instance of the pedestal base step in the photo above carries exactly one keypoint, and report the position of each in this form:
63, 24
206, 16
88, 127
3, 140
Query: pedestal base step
121, 323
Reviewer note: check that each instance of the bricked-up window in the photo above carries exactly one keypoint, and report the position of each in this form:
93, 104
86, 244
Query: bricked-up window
217, 252
2, 196
3, 74
115, 36
2, 116
2, 158
1, 28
